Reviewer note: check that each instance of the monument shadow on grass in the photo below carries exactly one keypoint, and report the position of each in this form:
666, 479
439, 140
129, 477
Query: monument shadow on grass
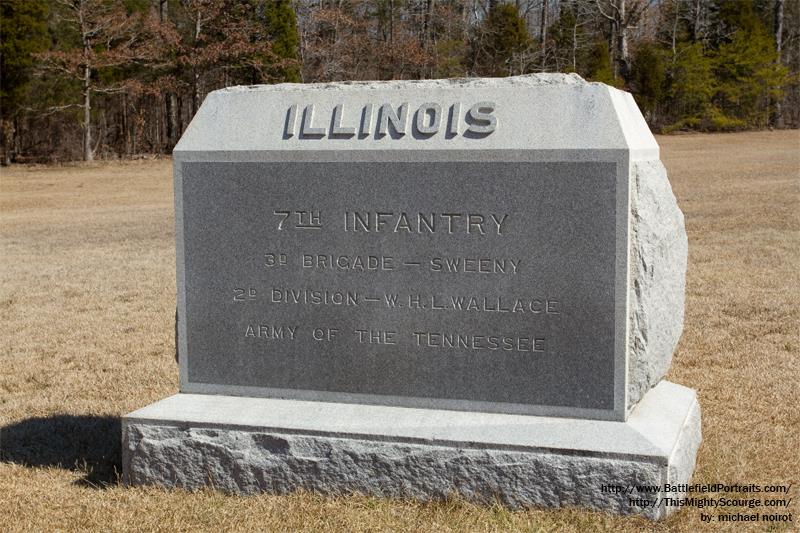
83, 443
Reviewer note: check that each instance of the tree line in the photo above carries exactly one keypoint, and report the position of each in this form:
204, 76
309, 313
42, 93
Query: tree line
85, 79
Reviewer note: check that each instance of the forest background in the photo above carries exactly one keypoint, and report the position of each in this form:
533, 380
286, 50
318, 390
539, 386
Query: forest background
86, 79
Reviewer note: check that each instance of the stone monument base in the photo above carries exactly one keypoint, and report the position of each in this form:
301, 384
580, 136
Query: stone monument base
247, 445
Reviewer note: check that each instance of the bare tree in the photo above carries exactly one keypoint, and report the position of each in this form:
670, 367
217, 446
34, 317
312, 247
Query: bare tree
623, 15
109, 37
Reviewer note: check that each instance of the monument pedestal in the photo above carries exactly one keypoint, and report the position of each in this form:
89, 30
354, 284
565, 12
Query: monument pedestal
247, 445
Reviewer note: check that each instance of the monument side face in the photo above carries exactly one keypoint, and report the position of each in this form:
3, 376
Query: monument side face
457, 245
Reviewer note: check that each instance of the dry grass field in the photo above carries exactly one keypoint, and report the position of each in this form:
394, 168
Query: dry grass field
87, 296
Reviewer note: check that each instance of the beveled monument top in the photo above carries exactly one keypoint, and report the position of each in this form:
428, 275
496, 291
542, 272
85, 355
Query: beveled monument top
533, 113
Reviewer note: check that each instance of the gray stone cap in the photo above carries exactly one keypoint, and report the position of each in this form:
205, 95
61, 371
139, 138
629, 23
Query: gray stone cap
527, 80
650, 433
533, 112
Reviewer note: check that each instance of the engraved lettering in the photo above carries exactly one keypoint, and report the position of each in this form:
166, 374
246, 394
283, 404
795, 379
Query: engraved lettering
376, 336
474, 265
402, 223
285, 215
482, 120
434, 111
390, 221
291, 121
455, 120
427, 121
306, 127
499, 222
305, 219
476, 221
381, 219
324, 334
348, 262
272, 260
306, 296
430, 224
398, 121
470, 341
337, 130
270, 332
364, 222
240, 295
450, 217
366, 122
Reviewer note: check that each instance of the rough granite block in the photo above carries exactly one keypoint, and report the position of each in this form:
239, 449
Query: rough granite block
249, 445
659, 250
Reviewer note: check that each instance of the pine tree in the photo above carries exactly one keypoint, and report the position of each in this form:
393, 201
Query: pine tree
502, 38
282, 33
23, 34
691, 87
599, 65
648, 78
750, 78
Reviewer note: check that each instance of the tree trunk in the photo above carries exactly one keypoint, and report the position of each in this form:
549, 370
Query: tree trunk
612, 47
543, 36
696, 21
391, 23
88, 155
778, 26
7, 131
622, 41
195, 74
778, 46
675, 33
6, 147
172, 120
575, 48
126, 138
426, 23
158, 123
179, 114
16, 139
195, 92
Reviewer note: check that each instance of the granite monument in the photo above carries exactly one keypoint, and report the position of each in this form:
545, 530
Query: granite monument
416, 289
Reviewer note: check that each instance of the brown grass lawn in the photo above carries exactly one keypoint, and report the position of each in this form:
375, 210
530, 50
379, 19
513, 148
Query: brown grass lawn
87, 296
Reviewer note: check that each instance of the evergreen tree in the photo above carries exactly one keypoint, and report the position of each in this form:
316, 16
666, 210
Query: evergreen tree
502, 38
648, 79
731, 78
23, 33
599, 64
750, 78
282, 33
566, 34
691, 86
